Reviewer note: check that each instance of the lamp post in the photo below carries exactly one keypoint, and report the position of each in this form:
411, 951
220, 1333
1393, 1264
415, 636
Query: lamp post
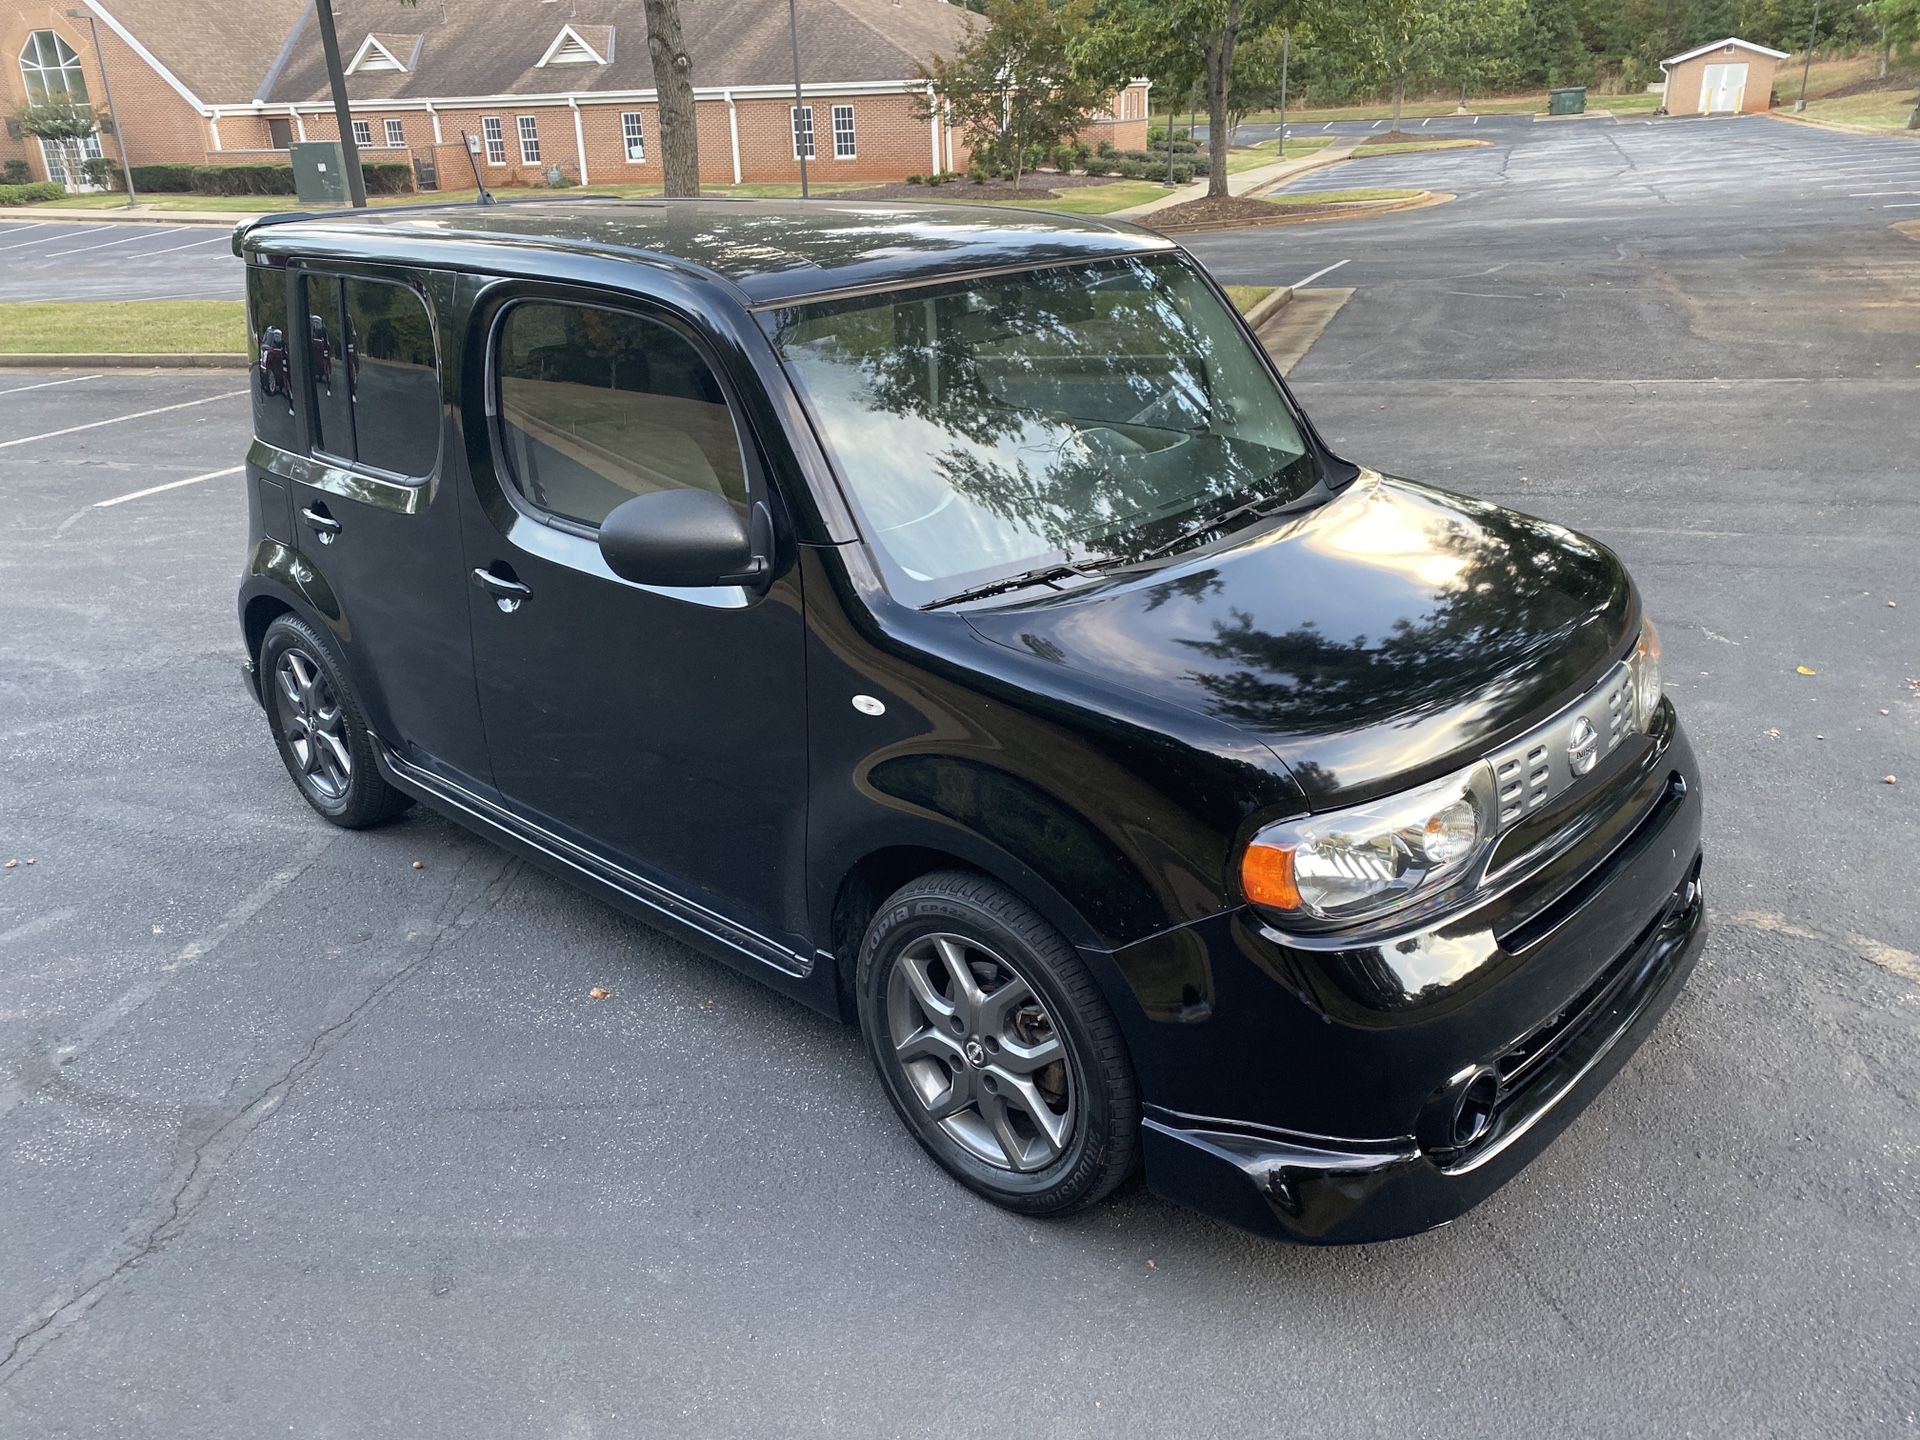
793, 27
1813, 29
113, 116
342, 116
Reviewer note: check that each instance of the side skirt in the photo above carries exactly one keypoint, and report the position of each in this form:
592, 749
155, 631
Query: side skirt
744, 949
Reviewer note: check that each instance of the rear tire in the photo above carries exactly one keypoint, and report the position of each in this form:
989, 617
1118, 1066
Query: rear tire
996, 1047
319, 728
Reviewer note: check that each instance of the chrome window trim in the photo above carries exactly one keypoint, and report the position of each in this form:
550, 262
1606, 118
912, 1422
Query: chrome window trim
395, 495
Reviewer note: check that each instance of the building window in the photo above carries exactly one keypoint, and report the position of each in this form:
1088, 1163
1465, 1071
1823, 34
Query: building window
279, 133
843, 132
802, 131
51, 70
396, 134
635, 136
529, 140
363, 134
496, 140
597, 406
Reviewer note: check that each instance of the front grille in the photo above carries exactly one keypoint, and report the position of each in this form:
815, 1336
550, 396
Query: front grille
1524, 781
1540, 766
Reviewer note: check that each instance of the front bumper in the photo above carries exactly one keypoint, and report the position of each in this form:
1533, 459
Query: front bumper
1331, 1192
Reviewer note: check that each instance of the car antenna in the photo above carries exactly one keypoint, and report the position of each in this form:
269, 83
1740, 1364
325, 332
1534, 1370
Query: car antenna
485, 196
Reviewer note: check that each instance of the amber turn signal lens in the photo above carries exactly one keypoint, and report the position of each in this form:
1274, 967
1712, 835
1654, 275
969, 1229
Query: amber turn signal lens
1266, 876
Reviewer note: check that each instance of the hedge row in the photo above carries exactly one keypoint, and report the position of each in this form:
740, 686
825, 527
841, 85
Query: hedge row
384, 177
29, 193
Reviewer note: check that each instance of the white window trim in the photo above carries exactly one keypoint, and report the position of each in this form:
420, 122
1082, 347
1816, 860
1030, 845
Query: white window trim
488, 138
520, 124
363, 134
852, 152
639, 133
794, 112
367, 47
389, 128
567, 32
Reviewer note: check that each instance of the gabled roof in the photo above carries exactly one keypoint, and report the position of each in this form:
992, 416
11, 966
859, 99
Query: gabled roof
580, 45
1731, 40
213, 51
385, 52
485, 47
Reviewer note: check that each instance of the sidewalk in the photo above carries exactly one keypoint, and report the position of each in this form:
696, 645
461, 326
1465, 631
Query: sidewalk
1247, 182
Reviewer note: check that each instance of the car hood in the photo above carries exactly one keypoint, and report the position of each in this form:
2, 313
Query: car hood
1386, 636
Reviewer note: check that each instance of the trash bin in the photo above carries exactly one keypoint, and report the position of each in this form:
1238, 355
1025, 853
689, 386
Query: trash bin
1567, 100
319, 174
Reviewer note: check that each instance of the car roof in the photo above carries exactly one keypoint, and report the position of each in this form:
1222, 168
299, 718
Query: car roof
769, 250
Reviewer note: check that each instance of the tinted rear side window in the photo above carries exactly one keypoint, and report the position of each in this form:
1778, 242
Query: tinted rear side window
273, 418
597, 406
376, 389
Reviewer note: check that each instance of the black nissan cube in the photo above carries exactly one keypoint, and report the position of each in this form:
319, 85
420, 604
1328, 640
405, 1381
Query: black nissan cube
946, 615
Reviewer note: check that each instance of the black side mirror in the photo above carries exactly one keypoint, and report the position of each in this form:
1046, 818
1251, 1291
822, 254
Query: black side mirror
686, 538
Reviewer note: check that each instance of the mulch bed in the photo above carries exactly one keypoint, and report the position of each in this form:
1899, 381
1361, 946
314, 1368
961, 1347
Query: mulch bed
1037, 186
1397, 137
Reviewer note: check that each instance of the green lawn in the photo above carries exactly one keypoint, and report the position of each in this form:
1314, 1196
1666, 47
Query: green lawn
1075, 200
266, 204
1636, 103
107, 327
1411, 147
1245, 297
1268, 151
1876, 109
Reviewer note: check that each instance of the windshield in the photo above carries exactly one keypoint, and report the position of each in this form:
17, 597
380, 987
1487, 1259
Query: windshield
1069, 415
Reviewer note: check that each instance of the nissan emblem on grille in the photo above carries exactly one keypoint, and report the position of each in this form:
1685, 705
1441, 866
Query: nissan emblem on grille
1583, 746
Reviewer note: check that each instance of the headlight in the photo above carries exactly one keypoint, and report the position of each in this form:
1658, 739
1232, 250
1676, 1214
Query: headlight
1371, 860
1644, 668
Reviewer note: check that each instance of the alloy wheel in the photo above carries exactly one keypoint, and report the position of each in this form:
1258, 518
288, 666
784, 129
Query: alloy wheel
980, 1052
313, 723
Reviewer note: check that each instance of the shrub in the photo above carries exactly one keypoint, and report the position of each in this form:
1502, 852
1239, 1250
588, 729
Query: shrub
916, 180
392, 177
939, 177
15, 172
163, 179
1182, 173
34, 190
977, 174
1097, 166
100, 171
1080, 153
1104, 148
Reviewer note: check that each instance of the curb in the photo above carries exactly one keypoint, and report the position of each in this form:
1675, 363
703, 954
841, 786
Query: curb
1461, 142
1138, 213
1268, 306
186, 361
1343, 210
35, 215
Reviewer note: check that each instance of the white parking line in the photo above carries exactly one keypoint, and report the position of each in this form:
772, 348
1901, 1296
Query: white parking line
1327, 126
1870, 194
1376, 125
170, 485
87, 230
1914, 205
221, 239
13, 229
1426, 122
42, 385
1302, 284
107, 244
137, 415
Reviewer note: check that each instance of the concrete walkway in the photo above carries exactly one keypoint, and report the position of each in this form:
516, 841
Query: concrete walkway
1247, 182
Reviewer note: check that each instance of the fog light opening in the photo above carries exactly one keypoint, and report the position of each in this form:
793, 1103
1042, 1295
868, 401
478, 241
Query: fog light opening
1473, 1112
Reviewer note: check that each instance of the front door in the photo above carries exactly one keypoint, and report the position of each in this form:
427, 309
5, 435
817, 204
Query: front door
66, 161
663, 730
1723, 89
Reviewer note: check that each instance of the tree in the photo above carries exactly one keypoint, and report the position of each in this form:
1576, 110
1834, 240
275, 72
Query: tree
673, 82
1392, 42
1018, 84
60, 125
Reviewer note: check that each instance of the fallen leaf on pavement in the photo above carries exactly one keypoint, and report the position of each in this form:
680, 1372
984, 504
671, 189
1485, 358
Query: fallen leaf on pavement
419, 864
598, 993
1805, 670
1891, 780
11, 863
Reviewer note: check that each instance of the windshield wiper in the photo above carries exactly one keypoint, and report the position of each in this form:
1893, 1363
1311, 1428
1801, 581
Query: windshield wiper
1264, 506
1043, 575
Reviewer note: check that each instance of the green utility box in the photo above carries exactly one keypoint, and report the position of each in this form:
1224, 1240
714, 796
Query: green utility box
319, 174
1567, 100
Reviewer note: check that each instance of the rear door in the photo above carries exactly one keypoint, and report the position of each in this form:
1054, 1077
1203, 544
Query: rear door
373, 509
663, 729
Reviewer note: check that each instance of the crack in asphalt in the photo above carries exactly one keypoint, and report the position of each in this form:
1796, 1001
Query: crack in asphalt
204, 1163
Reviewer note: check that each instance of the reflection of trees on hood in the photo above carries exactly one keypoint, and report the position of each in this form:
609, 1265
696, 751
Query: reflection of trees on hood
1523, 587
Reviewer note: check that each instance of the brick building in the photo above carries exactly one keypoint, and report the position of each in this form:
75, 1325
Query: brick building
537, 84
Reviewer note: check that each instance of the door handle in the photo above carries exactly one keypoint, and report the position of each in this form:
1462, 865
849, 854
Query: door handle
507, 593
323, 524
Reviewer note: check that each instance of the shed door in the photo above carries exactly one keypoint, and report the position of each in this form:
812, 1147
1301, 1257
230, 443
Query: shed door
1723, 88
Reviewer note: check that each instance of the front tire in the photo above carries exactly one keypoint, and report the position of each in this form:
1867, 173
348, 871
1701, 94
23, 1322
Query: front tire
319, 728
996, 1047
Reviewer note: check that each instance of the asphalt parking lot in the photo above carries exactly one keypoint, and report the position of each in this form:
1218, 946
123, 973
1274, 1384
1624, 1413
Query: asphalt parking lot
295, 1138
116, 260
